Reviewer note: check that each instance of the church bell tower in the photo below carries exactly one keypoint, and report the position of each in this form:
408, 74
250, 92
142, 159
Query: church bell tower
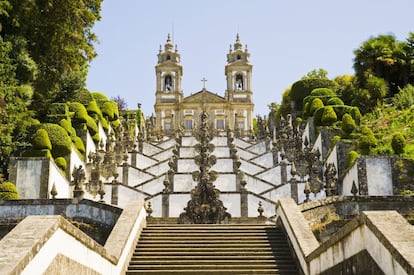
238, 73
169, 94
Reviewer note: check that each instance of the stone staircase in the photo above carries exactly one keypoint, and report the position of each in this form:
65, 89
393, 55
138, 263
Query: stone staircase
212, 249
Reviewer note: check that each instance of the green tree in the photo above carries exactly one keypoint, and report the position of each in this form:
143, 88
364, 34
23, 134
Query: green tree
60, 40
8, 191
384, 57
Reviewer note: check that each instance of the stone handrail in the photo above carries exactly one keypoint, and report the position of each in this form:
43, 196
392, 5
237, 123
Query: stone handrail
385, 236
52, 245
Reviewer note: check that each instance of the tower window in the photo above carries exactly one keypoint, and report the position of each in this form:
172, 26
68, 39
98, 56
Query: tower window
239, 82
168, 83
238, 57
168, 57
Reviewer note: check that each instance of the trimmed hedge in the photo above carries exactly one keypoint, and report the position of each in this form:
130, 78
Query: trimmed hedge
61, 142
80, 115
61, 163
77, 141
348, 124
335, 101
328, 116
315, 105
84, 97
94, 110
367, 140
302, 88
67, 125
110, 110
92, 126
41, 140
100, 98
37, 153
8, 191
398, 143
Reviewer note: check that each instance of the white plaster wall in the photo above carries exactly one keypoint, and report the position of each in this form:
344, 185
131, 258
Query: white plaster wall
28, 178
219, 141
156, 205
102, 134
58, 178
379, 176
186, 166
183, 183
318, 145
153, 187
167, 144
187, 152
241, 143
243, 154
232, 203
144, 162
269, 208
259, 148
255, 185
265, 160
221, 152
272, 175
223, 166
332, 158
350, 176
74, 161
177, 204
164, 155
159, 169
149, 149
90, 146
250, 168
281, 192
136, 177
188, 141
225, 182
126, 194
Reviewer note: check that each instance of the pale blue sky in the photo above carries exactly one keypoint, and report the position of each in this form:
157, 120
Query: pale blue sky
286, 39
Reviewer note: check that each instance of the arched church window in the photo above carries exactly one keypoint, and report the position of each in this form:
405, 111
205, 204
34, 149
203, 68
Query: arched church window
168, 83
238, 57
239, 82
168, 57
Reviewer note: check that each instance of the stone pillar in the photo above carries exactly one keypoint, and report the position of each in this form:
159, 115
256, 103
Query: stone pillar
125, 173
134, 158
165, 205
283, 172
114, 193
244, 204
294, 190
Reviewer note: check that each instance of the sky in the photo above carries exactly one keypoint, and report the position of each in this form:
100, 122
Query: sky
286, 40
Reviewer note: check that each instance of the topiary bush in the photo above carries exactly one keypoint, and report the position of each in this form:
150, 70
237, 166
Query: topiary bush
315, 105
92, 126
8, 191
398, 143
110, 110
61, 163
335, 101
104, 124
93, 110
61, 142
348, 125
37, 153
328, 116
352, 157
41, 140
80, 115
367, 140
67, 125
83, 96
100, 98
77, 141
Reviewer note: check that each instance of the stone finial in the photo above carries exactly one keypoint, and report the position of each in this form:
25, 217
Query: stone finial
53, 191
260, 209
149, 209
354, 189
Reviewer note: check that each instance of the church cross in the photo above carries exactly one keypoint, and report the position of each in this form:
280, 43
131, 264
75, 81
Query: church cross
204, 80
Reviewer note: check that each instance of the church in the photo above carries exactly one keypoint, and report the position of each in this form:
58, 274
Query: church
232, 111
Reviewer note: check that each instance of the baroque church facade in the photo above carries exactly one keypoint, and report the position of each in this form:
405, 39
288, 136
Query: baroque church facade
232, 111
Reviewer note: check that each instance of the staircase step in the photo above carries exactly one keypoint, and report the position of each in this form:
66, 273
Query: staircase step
212, 249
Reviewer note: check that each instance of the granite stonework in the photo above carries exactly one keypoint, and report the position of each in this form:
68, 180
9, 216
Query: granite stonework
375, 241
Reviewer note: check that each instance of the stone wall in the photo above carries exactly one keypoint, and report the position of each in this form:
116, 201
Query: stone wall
51, 244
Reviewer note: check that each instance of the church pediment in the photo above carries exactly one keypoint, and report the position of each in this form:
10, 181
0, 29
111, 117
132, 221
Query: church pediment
204, 96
